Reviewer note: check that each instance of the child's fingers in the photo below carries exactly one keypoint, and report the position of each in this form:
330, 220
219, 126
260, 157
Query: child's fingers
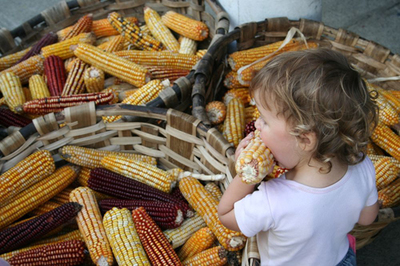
242, 144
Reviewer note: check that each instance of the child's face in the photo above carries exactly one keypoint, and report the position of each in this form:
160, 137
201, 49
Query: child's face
274, 132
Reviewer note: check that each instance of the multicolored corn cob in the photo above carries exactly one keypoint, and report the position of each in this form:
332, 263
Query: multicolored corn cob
216, 112
201, 240
75, 80
58, 103
234, 122
255, 161
133, 33
123, 238
212, 256
166, 215
113, 64
185, 26
116, 185
140, 171
90, 224
156, 245
66, 253
54, 70
21, 234
24, 70
11, 89
204, 203
83, 25
159, 30
47, 39
9, 118
38, 87
12, 59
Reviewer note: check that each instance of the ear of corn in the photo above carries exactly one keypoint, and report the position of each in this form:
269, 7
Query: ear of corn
214, 190
185, 26
390, 195
387, 113
45, 207
38, 87
47, 39
55, 73
94, 79
90, 224
156, 245
255, 161
9, 118
112, 64
201, 240
163, 72
231, 80
23, 175
159, 30
83, 25
11, 88
27, 68
64, 49
12, 59
234, 122
188, 46
70, 252
133, 33
124, 240
140, 171
242, 94
216, 112
251, 113
37, 194
203, 202
384, 137
75, 80
386, 168
23, 233
116, 185
213, 256
114, 45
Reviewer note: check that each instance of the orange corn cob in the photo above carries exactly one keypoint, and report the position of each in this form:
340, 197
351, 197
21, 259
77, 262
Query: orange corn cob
387, 113
199, 241
216, 112
11, 89
390, 195
83, 25
188, 46
216, 256
159, 30
242, 94
255, 161
94, 79
387, 170
164, 58
234, 122
113, 64
38, 87
65, 48
24, 174
90, 224
231, 80
203, 202
385, 138
214, 190
395, 93
45, 207
75, 81
10, 60
185, 26
114, 45
156, 245
25, 69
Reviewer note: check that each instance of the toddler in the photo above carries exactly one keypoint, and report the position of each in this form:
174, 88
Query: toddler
316, 116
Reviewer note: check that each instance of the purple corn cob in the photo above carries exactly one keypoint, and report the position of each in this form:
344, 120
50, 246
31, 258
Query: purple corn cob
47, 39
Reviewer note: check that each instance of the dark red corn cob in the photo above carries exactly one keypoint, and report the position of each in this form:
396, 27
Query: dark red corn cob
166, 215
116, 185
54, 70
250, 127
47, 39
58, 103
23, 233
70, 253
9, 118
176, 192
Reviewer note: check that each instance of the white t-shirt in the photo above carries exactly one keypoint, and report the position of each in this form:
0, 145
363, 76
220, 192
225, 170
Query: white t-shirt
300, 225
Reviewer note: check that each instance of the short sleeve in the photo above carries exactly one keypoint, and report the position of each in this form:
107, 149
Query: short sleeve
253, 212
373, 195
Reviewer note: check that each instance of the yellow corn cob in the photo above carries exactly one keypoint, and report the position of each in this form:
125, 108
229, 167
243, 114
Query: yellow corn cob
391, 98
178, 236
159, 30
143, 95
234, 122
386, 168
201, 53
90, 225
37, 194
386, 139
133, 33
28, 67
29, 171
84, 24
214, 190
140, 171
65, 48
390, 195
251, 113
242, 94
123, 238
11, 89
63, 196
91, 158
84, 176
112, 64
125, 94
94, 79
10, 60
145, 30
163, 58
185, 26
38, 87
216, 112
75, 81
188, 46
216, 256
255, 161
45, 207
387, 113
199, 241
203, 203
114, 45
231, 80
246, 75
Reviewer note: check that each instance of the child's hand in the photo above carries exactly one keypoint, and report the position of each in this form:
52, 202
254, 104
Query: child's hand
243, 144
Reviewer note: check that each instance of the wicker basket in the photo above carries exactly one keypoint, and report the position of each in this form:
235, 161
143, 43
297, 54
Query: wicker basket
371, 59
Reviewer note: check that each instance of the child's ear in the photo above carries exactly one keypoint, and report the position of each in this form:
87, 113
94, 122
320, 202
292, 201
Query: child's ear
308, 141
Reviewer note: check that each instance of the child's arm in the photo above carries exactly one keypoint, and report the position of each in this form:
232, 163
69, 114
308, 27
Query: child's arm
368, 214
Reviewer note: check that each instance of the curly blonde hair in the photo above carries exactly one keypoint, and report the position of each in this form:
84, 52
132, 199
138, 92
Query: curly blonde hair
318, 91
